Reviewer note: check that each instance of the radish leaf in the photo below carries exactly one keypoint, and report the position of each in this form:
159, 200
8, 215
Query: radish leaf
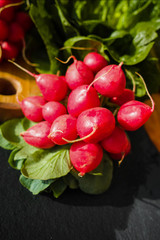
47, 164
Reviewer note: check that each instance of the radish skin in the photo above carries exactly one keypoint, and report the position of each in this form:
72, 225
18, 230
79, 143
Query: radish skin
95, 124
82, 98
32, 108
51, 110
110, 81
85, 157
52, 87
37, 135
126, 96
77, 74
63, 127
117, 142
133, 115
95, 61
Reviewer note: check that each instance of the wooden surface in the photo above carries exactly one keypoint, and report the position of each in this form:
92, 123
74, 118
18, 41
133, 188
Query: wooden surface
13, 82
152, 126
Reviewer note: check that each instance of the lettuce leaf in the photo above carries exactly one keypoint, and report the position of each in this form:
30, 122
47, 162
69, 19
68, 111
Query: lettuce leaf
122, 31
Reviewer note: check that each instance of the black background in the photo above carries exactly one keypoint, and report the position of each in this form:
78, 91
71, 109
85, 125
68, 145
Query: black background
130, 209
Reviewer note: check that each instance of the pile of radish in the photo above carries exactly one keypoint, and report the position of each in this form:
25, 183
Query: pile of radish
71, 111
14, 23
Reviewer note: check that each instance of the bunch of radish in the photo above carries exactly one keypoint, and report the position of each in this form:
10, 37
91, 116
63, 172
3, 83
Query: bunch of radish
14, 23
70, 110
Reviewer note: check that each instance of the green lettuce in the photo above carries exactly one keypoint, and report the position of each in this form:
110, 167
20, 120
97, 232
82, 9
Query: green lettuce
122, 31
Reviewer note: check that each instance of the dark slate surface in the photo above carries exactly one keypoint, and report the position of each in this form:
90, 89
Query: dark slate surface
129, 210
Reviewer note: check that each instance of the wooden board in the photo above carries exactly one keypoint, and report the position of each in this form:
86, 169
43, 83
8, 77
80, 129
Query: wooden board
14, 82
152, 126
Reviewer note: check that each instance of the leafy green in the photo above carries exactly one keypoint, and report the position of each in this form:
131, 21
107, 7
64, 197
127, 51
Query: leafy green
97, 183
4, 143
50, 168
10, 139
15, 163
120, 30
134, 46
27, 123
24, 152
35, 185
43, 21
68, 28
81, 45
58, 187
71, 181
47, 164
10, 134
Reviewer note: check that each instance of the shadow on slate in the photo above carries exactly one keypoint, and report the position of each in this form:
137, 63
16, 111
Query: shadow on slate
76, 215
138, 176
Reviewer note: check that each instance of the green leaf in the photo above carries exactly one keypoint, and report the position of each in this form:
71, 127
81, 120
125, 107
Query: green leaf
47, 164
11, 130
126, 29
58, 187
4, 143
71, 181
27, 123
97, 184
139, 42
15, 163
42, 19
35, 185
133, 12
84, 45
68, 28
143, 33
140, 90
24, 152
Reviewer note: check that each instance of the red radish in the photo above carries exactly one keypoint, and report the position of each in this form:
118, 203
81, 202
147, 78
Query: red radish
16, 32
23, 19
37, 135
133, 114
63, 78
6, 10
63, 127
116, 142
126, 96
82, 98
4, 30
110, 81
119, 156
52, 87
9, 50
32, 108
78, 73
51, 110
95, 61
94, 124
85, 157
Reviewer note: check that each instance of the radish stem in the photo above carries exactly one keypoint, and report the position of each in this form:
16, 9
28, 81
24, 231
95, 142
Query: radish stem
23, 69
81, 139
151, 99
99, 78
11, 5
66, 60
